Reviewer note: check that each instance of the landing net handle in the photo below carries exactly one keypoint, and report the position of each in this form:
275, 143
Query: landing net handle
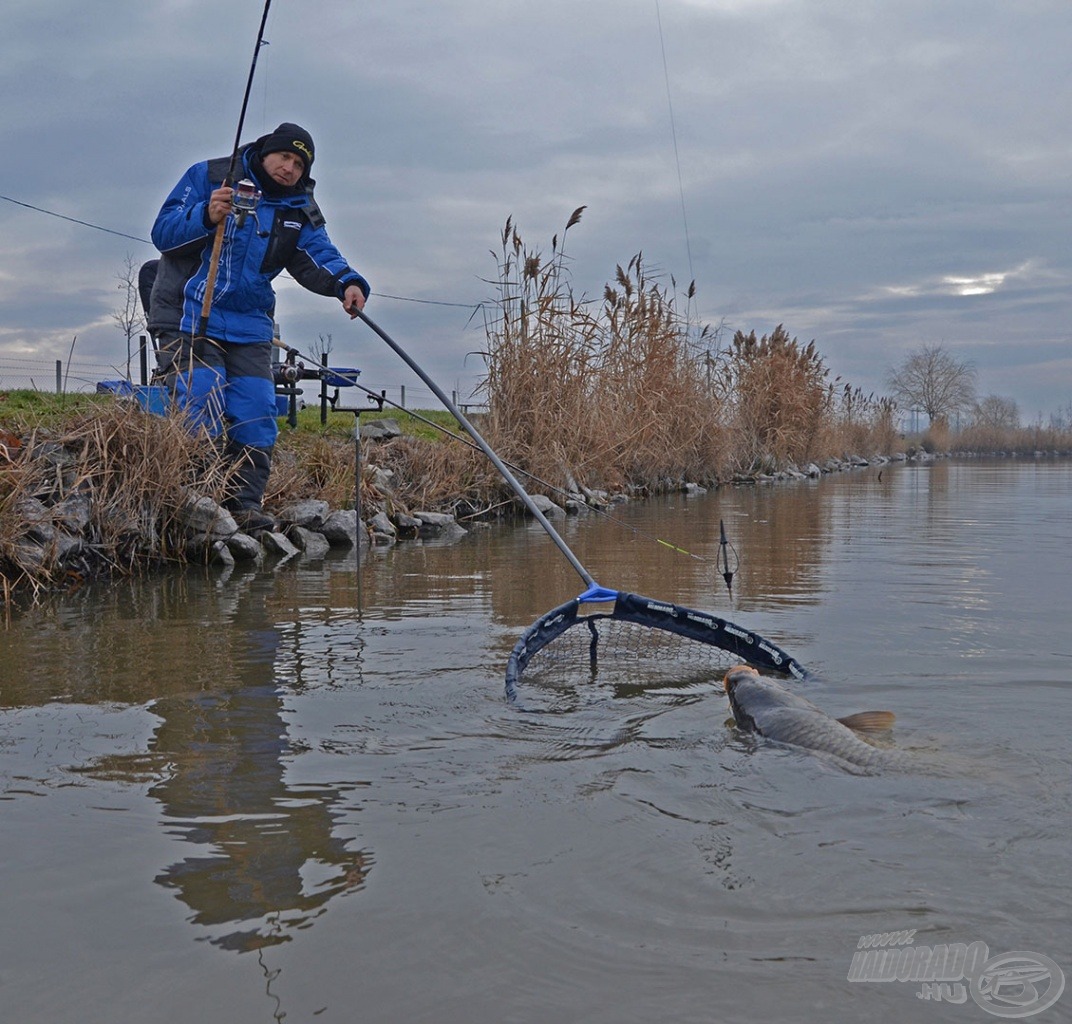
696, 625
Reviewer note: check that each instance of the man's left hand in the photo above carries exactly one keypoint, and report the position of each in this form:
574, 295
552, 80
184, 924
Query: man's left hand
353, 300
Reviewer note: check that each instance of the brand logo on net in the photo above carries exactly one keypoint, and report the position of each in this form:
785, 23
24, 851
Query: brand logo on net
1011, 985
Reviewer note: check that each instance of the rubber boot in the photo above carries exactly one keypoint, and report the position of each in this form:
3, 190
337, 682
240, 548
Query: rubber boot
250, 480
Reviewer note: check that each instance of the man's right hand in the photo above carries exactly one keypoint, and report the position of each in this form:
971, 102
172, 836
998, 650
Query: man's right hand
219, 204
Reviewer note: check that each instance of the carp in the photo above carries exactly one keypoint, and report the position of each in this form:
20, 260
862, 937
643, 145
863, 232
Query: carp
767, 708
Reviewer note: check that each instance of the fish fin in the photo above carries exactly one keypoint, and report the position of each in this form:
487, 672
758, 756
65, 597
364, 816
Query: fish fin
869, 721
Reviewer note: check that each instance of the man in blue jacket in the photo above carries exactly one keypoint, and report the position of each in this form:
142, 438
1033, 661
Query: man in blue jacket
222, 374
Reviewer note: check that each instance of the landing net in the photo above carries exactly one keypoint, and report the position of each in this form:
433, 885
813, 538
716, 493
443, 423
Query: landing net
626, 637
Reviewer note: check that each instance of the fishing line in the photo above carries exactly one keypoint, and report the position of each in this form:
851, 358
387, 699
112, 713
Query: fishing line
75, 220
673, 135
474, 306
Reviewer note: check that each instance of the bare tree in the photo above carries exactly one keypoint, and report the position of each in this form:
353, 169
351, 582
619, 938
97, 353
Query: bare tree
129, 317
932, 380
323, 346
996, 412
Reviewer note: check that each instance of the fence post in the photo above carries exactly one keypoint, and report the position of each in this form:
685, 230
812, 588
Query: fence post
143, 350
324, 390
59, 377
402, 400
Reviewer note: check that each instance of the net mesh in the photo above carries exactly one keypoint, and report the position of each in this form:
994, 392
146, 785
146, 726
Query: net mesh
635, 639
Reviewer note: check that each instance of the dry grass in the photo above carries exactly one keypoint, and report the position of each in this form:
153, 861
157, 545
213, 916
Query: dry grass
441, 476
595, 397
781, 399
124, 470
312, 465
428, 475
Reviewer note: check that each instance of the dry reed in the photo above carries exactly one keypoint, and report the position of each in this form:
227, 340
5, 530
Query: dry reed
781, 399
862, 424
603, 398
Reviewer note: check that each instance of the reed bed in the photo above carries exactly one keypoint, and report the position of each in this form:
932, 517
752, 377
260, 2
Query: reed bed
598, 396
861, 424
985, 440
781, 399
634, 393
627, 392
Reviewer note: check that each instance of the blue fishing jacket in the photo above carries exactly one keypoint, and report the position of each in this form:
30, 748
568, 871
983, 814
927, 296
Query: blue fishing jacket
285, 232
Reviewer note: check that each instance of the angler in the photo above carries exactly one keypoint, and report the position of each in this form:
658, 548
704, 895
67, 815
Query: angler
212, 303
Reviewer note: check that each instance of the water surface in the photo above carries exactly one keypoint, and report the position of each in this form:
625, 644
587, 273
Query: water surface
280, 796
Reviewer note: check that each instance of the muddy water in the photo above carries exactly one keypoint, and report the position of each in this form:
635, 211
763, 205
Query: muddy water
279, 796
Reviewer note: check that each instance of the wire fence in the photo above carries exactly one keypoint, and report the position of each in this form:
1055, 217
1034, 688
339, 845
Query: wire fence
80, 376
57, 377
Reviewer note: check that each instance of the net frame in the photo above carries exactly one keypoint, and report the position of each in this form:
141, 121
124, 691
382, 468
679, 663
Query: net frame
692, 624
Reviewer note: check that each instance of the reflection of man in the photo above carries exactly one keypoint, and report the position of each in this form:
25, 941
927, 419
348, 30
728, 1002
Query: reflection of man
227, 791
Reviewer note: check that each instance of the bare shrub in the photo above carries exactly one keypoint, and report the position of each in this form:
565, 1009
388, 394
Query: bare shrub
934, 380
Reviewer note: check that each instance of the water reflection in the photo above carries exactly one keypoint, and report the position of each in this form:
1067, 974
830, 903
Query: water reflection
268, 855
271, 857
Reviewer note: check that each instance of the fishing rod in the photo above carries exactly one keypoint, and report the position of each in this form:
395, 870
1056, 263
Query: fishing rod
245, 196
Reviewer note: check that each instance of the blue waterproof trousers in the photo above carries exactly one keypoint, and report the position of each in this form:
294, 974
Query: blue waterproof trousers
228, 390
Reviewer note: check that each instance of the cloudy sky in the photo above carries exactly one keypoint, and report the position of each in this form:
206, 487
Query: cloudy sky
874, 175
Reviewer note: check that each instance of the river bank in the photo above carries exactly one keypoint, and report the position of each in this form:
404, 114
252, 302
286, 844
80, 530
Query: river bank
112, 492
109, 491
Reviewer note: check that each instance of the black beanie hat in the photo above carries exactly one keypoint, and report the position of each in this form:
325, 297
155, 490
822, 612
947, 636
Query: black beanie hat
289, 138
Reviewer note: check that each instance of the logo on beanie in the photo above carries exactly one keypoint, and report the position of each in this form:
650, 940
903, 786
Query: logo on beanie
299, 145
